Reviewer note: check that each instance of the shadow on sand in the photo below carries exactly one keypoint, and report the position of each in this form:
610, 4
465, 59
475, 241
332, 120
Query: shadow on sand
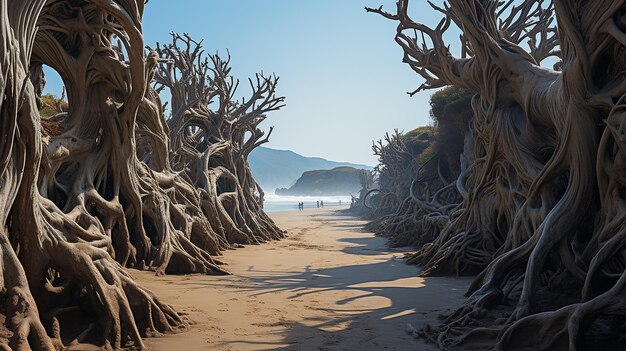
376, 298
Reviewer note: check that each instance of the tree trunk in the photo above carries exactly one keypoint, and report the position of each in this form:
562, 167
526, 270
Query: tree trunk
96, 192
540, 217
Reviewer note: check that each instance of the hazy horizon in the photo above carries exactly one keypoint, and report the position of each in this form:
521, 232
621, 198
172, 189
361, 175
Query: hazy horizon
268, 146
340, 69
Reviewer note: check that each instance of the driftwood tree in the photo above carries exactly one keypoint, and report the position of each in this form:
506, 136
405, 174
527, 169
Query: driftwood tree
472, 239
64, 226
543, 218
367, 180
212, 135
98, 190
418, 172
414, 194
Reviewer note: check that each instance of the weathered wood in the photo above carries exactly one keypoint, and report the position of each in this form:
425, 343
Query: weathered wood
101, 188
542, 217
210, 146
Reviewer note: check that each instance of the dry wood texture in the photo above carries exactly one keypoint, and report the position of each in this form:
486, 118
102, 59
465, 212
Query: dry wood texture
110, 182
542, 217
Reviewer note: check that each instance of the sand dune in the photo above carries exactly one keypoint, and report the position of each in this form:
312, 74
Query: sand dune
329, 286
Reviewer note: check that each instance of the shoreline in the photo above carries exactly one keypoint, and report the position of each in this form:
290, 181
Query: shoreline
328, 286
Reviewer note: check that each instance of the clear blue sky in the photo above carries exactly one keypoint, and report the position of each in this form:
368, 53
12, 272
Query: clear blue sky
339, 67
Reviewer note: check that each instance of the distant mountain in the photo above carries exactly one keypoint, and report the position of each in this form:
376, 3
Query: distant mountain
330, 182
281, 168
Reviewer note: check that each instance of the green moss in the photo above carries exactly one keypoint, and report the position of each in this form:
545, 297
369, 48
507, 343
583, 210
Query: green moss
49, 105
443, 99
419, 142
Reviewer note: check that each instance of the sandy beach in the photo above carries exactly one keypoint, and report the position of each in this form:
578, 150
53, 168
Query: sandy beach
328, 286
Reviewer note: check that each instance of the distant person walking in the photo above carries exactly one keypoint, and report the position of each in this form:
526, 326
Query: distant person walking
318, 204
300, 206
339, 202
322, 204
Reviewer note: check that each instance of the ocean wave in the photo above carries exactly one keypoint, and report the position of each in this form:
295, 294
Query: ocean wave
279, 198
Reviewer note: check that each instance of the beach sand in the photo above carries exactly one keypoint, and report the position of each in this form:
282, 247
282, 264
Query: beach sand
328, 286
